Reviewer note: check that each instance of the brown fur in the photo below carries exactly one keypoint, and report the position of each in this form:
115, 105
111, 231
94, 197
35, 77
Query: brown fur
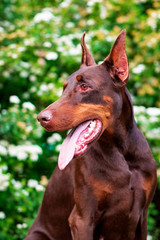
103, 194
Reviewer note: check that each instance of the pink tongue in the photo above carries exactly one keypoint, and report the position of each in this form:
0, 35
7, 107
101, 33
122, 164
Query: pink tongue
69, 144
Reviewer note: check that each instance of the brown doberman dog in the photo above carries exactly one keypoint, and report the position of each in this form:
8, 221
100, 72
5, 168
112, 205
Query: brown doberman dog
107, 176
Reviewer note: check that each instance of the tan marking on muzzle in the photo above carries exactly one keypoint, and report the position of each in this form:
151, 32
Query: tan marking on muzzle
90, 111
66, 115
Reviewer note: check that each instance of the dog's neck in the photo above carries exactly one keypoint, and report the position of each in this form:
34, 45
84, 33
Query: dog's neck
127, 138
122, 127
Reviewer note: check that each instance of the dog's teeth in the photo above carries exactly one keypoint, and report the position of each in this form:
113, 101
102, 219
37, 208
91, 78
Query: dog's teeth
93, 124
90, 130
77, 147
89, 134
86, 135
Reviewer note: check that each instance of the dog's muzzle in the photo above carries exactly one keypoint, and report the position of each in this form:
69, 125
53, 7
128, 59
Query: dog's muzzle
44, 117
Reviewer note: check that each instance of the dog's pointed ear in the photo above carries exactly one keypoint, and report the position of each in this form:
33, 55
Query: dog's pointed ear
87, 59
116, 62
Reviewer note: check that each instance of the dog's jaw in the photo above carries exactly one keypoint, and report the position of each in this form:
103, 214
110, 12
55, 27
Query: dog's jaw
88, 136
77, 141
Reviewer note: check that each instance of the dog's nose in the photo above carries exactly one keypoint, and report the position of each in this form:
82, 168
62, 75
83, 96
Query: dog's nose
44, 116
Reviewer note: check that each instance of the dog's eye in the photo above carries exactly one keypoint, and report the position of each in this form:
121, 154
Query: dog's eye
83, 87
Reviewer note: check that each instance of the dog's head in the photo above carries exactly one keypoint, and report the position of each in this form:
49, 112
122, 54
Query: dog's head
91, 101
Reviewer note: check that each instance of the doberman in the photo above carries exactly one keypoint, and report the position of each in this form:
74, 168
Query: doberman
107, 176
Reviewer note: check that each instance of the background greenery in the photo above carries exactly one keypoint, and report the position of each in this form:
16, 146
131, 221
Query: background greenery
39, 49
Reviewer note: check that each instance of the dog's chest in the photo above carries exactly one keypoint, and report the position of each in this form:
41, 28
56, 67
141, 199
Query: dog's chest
117, 193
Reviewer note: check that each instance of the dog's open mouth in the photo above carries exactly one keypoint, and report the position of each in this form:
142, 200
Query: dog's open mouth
78, 140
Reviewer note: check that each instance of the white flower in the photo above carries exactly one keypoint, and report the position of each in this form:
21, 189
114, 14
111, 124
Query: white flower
154, 133
151, 21
153, 119
103, 12
138, 69
3, 168
6, 74
66, 40
14, 55
12, 150
153, 111
24, 74
58, 147
16, 184
34, 157
24, 64
32, 149
57, 137
21, 49
54, 138
25, 95
3, 150
109, 38
45, 16
1, 62
51, 56
28, 105
143, 119
47, 44
92, 2
25, 192
139, 109
13, 46
59, 92
1, 29
4, 112
90, 22
100, 62
29, 128
65, 4
20, 226
14, 99
149, 237
44, 87
32, 183
74, 51
4, 143
28, 41
51, 86
36, 149
17, 194
22, 151
33, 89
2, 215
39, 188
69, 24
32, 78
19, 209
158, 172
4, 181
21, 155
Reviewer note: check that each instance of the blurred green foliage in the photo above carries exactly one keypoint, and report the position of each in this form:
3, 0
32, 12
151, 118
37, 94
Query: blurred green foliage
40, 48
